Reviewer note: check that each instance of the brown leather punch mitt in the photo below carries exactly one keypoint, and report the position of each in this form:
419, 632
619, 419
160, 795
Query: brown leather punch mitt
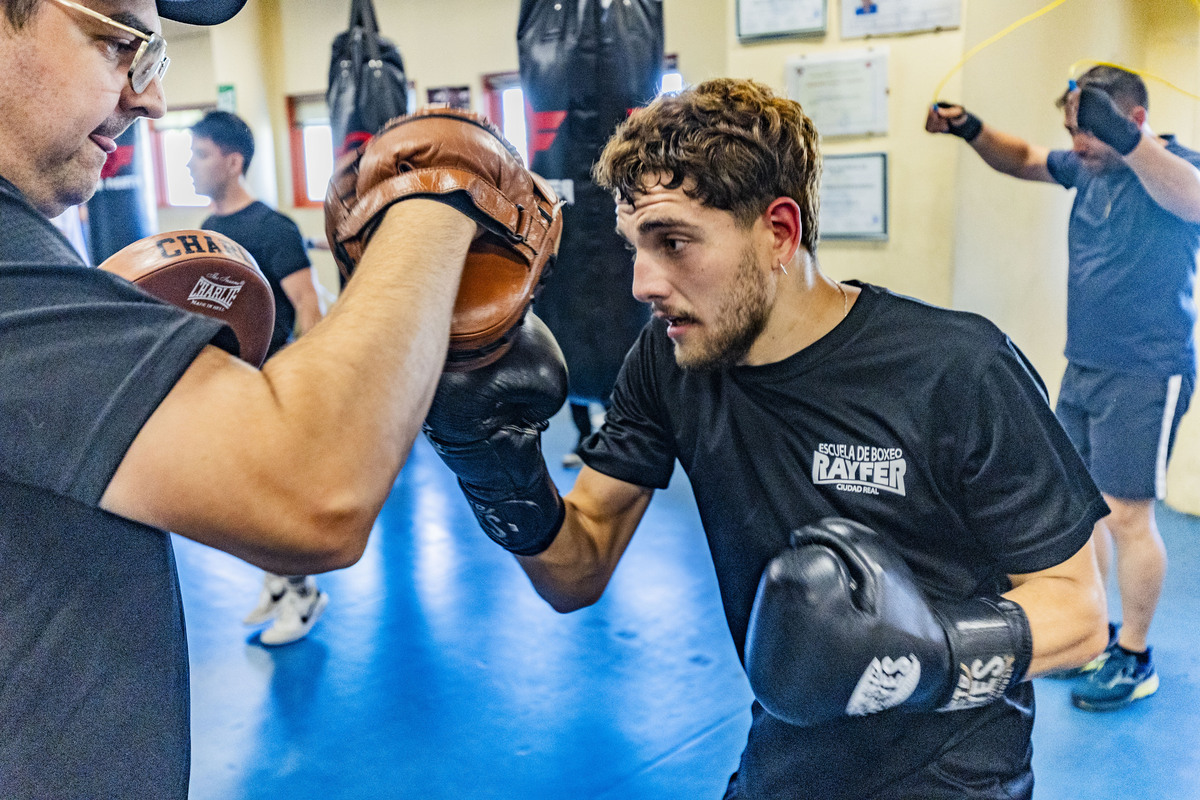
458, 158
208, 273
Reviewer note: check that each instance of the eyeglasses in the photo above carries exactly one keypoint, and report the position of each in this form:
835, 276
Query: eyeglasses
149, 62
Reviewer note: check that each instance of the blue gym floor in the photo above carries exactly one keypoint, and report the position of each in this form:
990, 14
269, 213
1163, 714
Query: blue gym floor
437, 672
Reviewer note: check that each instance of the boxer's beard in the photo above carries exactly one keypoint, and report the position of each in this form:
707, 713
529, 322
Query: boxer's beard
737, 323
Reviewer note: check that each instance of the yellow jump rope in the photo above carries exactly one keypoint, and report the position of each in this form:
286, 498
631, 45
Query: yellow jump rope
1073, 72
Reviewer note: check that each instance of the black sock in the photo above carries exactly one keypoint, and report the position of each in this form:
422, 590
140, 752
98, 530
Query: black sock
299, 583
1143, 657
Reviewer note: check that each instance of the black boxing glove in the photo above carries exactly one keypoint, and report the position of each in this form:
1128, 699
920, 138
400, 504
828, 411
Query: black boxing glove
970, 126
1099, 116
840, 628
486, 425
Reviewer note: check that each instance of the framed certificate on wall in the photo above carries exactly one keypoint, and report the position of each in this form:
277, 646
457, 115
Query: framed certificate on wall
844, 93
854, 201
883, 17
765, 19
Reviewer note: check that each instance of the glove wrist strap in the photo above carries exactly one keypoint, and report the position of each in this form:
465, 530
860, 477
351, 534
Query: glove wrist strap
990, 649
526, 523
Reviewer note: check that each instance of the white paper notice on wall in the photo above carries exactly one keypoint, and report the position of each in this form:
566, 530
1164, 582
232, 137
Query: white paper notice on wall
764, 18
882, 17
844, 94
854, 197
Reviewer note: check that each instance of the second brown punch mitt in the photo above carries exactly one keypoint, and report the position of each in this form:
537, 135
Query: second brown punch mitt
461, 159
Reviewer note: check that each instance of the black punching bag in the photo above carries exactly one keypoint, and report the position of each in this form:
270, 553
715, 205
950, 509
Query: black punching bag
118, 213
367, 83
585, 64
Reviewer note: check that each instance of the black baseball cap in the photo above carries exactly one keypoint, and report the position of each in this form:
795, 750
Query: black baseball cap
199, 12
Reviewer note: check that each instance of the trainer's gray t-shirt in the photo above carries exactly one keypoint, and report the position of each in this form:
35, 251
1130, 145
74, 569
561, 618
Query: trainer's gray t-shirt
93, 656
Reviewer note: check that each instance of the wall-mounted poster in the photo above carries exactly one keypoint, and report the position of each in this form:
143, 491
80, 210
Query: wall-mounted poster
453, 96
854, 197
845, 94
881, 17
761, 19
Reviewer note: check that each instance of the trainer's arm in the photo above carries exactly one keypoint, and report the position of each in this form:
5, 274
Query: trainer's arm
1066, 609
1001, 151
1170, 181
302, 293
288, 467
601, 516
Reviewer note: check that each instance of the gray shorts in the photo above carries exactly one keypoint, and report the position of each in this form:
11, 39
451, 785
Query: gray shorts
1123, 426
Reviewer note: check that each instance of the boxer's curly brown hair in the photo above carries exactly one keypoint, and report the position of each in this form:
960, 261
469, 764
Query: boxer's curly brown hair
731, 144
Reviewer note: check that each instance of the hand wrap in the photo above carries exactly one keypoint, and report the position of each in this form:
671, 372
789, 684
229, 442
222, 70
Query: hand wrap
968, 129
1099, 116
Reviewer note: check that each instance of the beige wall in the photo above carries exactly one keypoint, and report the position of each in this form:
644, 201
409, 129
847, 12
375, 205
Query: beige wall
916, 258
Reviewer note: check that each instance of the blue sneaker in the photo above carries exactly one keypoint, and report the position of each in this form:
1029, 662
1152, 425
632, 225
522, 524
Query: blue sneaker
1091, 666
1119, 682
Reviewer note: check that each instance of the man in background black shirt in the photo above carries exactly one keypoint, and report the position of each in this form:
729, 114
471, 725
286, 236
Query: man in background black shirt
222, 148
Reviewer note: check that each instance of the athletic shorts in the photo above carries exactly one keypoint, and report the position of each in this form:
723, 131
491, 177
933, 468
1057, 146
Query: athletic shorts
1123, 426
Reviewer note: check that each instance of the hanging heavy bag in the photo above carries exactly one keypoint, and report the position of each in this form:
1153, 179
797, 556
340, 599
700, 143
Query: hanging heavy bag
367, 84
584, 65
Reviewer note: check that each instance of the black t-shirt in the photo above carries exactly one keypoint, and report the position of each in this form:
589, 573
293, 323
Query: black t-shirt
93, 658
277, 246
925, 424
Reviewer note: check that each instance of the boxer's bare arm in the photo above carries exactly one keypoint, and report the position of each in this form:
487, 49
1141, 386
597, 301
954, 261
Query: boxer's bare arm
1065, 605
601, 516
288, 467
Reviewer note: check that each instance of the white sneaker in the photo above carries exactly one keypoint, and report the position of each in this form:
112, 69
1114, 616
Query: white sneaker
298, 611
273, 589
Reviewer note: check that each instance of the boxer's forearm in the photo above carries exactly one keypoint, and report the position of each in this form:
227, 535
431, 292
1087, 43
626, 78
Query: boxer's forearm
301, 290
602, 514
1065, 606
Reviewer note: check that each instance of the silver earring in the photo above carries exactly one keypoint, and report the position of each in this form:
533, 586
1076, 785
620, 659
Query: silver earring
782, 267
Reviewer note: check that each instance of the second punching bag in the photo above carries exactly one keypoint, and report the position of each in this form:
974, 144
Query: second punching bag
585, 64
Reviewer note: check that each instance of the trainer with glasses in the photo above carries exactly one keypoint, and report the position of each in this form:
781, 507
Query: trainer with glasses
900, 528
1132, 240
124, 416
